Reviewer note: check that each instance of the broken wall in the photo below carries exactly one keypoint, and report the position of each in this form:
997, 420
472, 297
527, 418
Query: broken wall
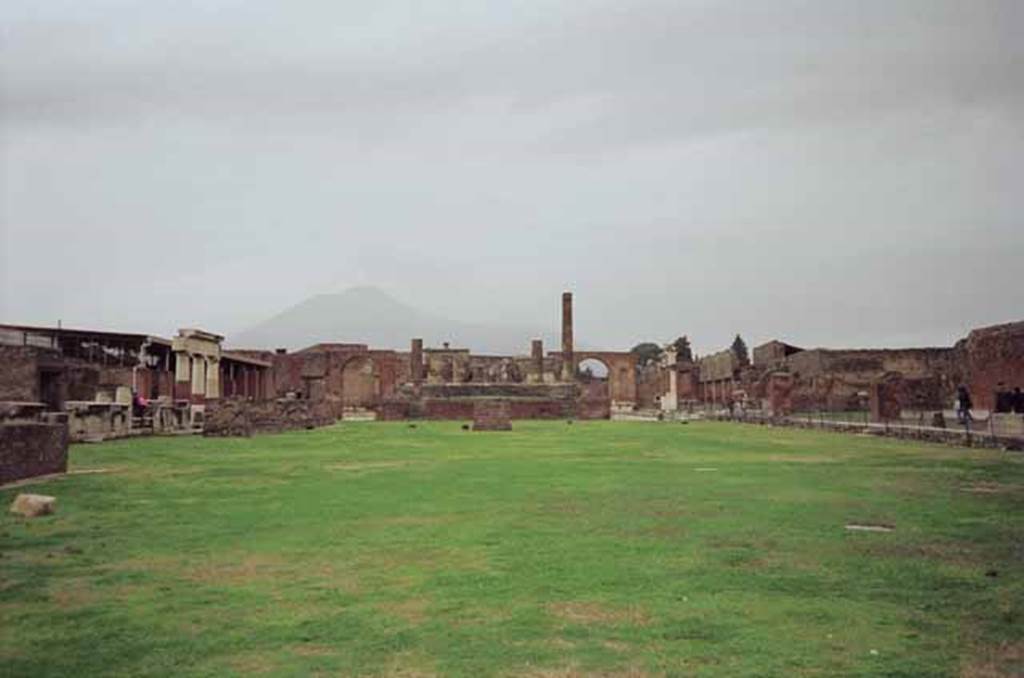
30, 449
993, 355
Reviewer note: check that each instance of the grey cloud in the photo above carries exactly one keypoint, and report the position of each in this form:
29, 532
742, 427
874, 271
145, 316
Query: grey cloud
832, 172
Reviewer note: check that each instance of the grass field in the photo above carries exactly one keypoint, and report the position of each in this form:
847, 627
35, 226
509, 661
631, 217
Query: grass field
555, 550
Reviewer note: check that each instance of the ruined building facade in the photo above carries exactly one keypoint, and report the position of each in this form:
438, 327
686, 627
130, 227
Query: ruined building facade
784, 378
192, 382
447, 382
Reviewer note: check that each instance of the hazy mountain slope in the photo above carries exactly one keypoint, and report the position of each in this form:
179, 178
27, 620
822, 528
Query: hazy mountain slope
369, 316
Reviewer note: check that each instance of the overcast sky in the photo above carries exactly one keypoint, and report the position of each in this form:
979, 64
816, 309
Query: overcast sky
830, 173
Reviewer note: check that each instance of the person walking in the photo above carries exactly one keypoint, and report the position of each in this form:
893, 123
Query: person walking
964, 405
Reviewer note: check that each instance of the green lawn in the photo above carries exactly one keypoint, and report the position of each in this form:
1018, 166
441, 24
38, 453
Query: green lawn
555, 550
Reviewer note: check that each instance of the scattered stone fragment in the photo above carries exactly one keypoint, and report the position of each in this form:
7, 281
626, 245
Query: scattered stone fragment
33, 505
869, 528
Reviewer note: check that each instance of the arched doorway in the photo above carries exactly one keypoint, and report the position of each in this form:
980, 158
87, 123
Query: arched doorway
593, 377
360, 383
592, 370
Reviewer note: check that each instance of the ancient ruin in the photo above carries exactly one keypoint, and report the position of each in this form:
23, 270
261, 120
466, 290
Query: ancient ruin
99, 384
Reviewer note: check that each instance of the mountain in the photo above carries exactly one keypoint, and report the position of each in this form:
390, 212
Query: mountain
367, 315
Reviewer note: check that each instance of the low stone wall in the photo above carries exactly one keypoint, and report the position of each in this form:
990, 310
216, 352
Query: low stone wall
980, 436
239, 417
486, 390
457, 401
95, 421
463, 408
492, 415
29, 449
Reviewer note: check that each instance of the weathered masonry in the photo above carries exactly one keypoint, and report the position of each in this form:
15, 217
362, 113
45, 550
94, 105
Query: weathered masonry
784, 378
113, 384
448, 382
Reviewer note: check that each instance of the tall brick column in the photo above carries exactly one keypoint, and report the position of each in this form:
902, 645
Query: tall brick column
416, 361
537, 352
568, 367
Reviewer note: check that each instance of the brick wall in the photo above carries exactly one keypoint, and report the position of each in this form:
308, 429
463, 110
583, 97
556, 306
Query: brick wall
29, 449
993, 355
19, 373
492, 415
240, 417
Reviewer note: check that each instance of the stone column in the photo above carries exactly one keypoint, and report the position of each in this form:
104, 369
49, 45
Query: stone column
537, 351
182, 386
568, 366
416, 361
198, 375
212, 378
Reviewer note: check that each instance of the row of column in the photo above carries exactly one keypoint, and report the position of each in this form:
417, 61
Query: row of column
246, 381
199, 377
416, 367
417, 370
201, 372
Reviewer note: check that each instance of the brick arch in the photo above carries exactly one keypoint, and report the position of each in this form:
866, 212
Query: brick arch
360, 381
621, 372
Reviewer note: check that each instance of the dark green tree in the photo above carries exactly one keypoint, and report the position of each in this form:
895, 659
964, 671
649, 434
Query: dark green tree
646, 353
683, 351
739, 349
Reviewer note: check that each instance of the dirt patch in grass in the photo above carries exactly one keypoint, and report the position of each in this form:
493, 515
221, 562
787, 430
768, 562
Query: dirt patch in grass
578, 612
950, 553
412, 610
313, 650
991, 487
254, 663
424, 560
409, 665
673, 531
73, 594
800, 458
248, 568
358, 466
1002, 661
239, 569
616, 645
574, 671
409, 521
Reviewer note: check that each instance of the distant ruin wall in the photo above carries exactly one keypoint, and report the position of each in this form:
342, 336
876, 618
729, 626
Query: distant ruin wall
837, 380
462, 408
1009, 434
240, 417
29, 449
19, 372
993, 356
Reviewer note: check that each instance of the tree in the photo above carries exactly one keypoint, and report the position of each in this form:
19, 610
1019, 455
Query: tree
646, 353
739, 349
684, 353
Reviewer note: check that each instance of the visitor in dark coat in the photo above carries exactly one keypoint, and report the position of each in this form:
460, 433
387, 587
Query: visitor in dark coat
964, 404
